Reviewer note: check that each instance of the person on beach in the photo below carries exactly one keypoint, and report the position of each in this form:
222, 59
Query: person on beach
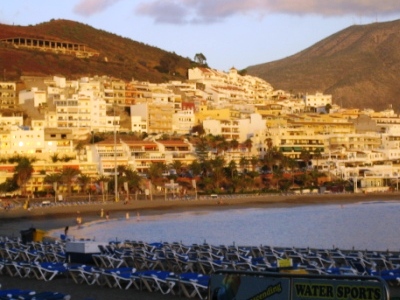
66, 231
79, 220
107, 216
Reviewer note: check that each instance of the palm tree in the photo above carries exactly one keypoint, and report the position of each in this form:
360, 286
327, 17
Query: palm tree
177, 165
195, 168
103, 181
134, 180
243, 163
156, 171
254, 162
305, 156
53, 178
248, 144
23, 172
79, 148
54, 157
234, 144
84, 180
317, 155
68, 175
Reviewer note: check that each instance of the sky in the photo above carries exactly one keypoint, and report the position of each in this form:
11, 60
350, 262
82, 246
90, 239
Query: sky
229, 33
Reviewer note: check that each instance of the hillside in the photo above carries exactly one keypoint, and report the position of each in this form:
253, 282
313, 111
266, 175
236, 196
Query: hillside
118, 56
359, 66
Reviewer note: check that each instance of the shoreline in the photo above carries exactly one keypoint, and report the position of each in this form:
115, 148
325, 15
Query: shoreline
56, 217
50, 218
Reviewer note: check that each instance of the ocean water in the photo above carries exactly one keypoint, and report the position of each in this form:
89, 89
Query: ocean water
363, 225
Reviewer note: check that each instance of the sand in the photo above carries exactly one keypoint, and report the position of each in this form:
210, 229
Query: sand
47, 218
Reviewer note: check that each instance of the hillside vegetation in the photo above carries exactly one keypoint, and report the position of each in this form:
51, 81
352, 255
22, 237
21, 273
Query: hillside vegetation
359, 66
119, 57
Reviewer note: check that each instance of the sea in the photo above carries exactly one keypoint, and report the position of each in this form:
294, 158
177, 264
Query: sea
361, 226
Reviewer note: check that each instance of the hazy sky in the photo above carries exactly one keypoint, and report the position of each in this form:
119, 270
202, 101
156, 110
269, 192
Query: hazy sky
229, 33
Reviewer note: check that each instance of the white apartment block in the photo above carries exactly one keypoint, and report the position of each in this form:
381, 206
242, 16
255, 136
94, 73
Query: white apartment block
238, 129
183, 121
225, 88
317, 101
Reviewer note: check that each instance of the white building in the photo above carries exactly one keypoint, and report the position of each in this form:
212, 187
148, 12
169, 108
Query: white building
239, 129
39, 97
183, 121
317, 101
140, 117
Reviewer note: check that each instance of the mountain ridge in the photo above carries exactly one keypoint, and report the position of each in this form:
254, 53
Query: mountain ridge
358, 65
119, 57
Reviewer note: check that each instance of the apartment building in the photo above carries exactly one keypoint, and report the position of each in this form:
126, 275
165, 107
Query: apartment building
8, 94
183, 121
141, 154
318, 101
177, 150
237, 129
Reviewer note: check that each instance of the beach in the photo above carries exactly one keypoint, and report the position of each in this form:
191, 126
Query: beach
57, 217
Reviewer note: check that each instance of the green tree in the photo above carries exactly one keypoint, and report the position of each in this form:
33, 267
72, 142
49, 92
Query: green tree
200, 58
23, 172
248, 144
84, 181
305, 156
68, 176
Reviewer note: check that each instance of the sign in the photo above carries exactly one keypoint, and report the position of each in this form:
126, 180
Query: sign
285, 263
233, 286
337, 289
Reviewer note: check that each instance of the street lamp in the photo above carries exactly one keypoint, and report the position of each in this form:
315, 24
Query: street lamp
115, 159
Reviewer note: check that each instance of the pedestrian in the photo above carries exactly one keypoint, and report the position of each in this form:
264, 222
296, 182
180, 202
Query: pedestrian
66, 231
107, 215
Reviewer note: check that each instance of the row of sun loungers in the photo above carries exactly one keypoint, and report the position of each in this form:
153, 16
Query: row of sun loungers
18, 294
175, 268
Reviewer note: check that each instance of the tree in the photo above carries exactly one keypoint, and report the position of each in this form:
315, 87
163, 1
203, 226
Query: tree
53, 178
68, 176
248, 144
23, 172
156, 171
305, 156
254, 161
84, 180
317, 155
198, 129
200, 58
79, 148
54, 157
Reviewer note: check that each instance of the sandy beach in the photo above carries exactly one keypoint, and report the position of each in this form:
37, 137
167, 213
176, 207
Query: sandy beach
58, 216
47, 218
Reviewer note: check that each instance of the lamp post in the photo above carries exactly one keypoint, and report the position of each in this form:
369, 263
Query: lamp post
115, 159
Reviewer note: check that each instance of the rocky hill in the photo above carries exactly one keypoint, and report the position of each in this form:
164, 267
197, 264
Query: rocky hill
117, 56
359, 66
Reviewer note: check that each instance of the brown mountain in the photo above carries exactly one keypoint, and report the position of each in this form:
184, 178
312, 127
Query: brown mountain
359, 66
117, 56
